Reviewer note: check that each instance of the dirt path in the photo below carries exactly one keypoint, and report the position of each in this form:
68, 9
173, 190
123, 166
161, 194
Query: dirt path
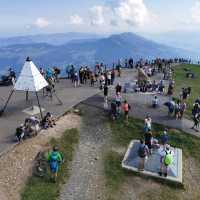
16, 166
87, 180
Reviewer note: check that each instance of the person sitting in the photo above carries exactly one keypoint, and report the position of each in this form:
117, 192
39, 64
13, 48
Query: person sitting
155, 102
20, 133
48, 121
31, 126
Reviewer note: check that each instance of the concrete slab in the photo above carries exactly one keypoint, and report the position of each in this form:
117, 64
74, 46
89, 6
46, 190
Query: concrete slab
152, 164
33, 110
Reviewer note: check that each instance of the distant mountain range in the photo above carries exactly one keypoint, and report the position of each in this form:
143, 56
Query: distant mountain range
57, 50
53, 39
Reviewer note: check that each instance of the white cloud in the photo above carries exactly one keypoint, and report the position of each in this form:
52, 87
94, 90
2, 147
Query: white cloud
75, 20
133, 12
123, 13
97, 15
196, 12
42, 22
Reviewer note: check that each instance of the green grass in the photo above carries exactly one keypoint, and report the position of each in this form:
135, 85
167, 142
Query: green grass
122, 134
43, 188
183, 81
113, 171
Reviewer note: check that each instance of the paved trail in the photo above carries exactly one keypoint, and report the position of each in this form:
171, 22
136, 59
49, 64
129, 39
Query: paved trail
86, 181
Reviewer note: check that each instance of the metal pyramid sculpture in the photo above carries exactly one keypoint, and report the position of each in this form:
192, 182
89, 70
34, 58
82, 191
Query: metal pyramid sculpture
30, 79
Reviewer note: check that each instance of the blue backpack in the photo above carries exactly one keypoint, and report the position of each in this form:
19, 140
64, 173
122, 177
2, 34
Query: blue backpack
54, 161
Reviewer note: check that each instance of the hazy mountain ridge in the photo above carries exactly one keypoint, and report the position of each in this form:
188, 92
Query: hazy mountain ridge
53, 39
87, 51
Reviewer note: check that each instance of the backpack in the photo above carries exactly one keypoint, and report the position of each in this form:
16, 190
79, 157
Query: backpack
54, 161
168, 159
142, 151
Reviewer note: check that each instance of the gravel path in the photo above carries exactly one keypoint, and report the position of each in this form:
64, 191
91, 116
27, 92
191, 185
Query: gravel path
86, 181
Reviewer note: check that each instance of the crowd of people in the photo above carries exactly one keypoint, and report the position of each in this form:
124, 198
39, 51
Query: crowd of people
103, 77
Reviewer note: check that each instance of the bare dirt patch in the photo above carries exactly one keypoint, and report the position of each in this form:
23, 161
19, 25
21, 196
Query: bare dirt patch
16, 165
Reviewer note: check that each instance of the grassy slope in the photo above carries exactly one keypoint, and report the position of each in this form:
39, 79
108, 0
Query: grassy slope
182, 81
122, 135
43, 188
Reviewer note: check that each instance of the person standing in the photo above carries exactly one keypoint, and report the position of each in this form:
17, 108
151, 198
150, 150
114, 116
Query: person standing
183, 107
126, 108
148, 140
118, 99
143, 151
166, 160
118, 88
147, 124
54, 158
76, 81
164, 138
112, 76
105, 91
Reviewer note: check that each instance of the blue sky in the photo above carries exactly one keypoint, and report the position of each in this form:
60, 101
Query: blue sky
20, 17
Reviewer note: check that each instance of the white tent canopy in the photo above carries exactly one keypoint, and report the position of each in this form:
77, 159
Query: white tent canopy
30, 79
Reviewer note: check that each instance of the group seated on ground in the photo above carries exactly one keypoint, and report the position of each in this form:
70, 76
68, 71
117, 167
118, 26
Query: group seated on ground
29, 129
33, 125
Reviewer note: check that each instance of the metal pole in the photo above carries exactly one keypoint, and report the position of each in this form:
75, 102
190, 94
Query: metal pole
26, 95
5, 106
39, 105
60, 102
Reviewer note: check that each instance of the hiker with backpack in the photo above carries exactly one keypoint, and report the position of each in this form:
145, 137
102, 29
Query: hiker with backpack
143, 152
165, 161
55, 158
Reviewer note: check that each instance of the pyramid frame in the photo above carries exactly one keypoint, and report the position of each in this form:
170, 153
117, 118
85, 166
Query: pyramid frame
29, 80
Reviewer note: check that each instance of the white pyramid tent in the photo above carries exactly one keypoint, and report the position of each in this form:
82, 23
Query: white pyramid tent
30, 79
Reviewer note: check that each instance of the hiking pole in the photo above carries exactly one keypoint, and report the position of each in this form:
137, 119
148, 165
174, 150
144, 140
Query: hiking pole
60, 102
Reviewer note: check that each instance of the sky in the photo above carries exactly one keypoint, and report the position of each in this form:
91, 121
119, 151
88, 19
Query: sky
25, 17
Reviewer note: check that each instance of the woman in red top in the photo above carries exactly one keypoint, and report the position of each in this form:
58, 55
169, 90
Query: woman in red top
126, 108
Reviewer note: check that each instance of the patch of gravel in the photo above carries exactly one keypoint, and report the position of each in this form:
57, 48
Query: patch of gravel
87, 177
16, 165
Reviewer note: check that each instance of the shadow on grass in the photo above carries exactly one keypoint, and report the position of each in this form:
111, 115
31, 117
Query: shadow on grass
42, 188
